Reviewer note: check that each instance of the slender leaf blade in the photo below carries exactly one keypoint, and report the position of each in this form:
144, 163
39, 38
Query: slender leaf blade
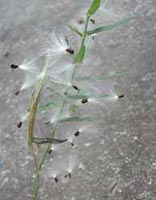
46, 106
33, 110
75, 30
94, 7
109, 26
48, 140
98, 78
81, 119
88, 96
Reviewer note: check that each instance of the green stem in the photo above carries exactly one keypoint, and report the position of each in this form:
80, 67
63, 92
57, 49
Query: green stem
85, 30
36, 185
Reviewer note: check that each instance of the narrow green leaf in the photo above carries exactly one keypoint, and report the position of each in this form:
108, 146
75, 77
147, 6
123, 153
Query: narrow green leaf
96, 78
75, 30
109, 27
48, 140
81, 119
88, 96
94, 7
49, 105
80, 55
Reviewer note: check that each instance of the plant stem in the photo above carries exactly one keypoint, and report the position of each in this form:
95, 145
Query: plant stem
85, 30
39, 166
36, 185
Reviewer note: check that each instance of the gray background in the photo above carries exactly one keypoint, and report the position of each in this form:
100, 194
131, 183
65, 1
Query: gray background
120, 163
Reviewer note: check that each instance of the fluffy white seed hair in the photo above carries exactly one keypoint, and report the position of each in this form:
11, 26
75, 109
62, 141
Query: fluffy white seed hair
29, 81
55, 46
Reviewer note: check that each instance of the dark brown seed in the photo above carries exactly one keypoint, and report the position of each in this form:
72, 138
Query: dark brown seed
71, 51
17, 93
84, 101
72, 144
56, 180
75, 87
19, 125
121, 96
92, 20
69, 175
13, 66
77, 133
50, 151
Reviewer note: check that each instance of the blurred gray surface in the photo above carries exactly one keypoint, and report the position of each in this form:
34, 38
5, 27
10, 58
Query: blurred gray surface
120, 163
